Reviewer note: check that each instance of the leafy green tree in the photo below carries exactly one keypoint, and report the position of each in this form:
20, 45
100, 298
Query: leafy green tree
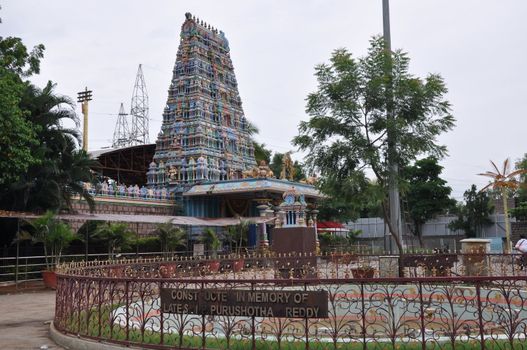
473, 215
347, 198
277, 164
17, 136
358, 103
171, 238
427, 195
51, 183
521, 193
116, 235
261, 153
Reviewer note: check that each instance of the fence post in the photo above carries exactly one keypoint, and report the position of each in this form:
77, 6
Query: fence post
480, 315
17, 251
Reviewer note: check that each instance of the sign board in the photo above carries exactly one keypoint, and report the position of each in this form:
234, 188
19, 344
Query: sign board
199, 249
238, 302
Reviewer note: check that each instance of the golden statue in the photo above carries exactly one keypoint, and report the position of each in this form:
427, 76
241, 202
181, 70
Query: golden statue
288, 169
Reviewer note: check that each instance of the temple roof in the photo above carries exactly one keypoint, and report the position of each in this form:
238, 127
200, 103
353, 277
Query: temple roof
252, 185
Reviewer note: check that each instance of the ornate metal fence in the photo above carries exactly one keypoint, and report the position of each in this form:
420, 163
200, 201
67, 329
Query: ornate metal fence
120, 302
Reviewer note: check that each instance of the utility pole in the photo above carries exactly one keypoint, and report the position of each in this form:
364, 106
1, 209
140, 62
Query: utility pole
393, 166
83, 97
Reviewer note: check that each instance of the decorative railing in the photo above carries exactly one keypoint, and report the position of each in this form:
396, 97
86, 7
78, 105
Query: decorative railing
105, 189
120, 302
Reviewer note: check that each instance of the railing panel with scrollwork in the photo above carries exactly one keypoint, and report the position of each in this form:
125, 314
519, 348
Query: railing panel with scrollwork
119, 302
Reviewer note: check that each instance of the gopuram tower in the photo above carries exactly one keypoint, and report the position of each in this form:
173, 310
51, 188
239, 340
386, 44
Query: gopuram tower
205, 135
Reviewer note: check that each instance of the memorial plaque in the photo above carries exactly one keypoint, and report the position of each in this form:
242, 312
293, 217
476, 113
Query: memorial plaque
238, 302
199, 249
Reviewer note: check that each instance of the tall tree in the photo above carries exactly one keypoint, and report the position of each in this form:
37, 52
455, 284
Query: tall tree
427, 195
347, 198
521, 194
276, 166
63, 166
348, 125
261, 153
473, 215
17, 136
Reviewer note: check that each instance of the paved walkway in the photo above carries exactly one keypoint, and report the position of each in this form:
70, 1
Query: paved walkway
23, 320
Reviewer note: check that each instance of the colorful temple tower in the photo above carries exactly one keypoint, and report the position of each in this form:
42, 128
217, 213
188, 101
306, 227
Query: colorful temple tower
205, 135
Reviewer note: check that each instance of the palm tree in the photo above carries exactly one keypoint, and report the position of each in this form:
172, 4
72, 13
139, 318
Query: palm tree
116, 235
51, 183
170, 237
503, 180
211, 241
54, 235
237, 234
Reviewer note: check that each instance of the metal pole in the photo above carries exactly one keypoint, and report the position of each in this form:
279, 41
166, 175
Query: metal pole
17, 250
393, 167
86, 252
85, 126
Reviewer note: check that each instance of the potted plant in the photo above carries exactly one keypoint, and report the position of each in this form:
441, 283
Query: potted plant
238, 239
118, 237
172, 239
55, 236
212, 244
363, 270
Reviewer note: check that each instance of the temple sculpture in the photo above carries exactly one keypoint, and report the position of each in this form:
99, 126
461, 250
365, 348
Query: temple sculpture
204, 135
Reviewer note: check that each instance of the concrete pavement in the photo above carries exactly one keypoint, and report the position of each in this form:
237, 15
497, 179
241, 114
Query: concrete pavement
23, 320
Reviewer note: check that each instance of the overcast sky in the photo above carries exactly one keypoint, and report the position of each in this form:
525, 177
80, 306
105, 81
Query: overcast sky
478, 46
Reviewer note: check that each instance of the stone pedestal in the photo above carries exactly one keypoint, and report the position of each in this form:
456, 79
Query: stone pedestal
388, 266
475, 252
298, 245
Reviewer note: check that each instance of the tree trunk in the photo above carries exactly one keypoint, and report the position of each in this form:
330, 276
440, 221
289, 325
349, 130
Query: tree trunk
390, 227
507, 225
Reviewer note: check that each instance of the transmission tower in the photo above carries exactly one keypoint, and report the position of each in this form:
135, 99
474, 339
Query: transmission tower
139, 111
121, 134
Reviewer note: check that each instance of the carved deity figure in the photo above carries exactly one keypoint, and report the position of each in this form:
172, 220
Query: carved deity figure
288, 169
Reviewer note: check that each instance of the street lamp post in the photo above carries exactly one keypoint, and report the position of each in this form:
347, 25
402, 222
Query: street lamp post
84, 97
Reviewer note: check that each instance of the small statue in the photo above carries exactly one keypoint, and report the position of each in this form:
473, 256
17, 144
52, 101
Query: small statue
288, 169
111, 188
104, 188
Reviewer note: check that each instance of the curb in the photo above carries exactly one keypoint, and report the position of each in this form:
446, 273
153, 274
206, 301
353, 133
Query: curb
77, 343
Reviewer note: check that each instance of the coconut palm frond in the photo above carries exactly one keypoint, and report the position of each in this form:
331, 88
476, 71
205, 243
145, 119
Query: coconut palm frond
495, 167
487, 187
489, 174
506, 167
516, 173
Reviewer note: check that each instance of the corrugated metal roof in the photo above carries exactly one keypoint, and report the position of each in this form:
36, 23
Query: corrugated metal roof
154, 219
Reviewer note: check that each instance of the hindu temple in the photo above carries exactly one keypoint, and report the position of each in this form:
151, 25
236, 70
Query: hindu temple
204, 153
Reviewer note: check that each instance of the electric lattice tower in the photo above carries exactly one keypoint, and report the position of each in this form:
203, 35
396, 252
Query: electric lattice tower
205, 135
139, 111
121, 134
